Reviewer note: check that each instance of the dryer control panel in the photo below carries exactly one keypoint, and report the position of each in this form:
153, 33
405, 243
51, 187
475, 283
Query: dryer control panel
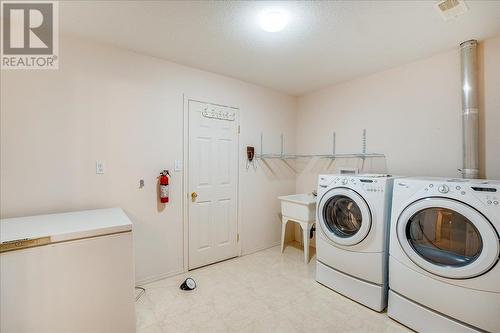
487, 193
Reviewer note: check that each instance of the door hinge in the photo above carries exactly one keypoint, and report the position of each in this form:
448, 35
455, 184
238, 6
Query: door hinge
237, 237
238, 129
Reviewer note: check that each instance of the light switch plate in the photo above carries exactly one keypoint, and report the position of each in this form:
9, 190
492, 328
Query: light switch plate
177, 165
100, 168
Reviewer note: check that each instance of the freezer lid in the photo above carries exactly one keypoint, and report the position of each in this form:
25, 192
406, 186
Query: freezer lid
64, 227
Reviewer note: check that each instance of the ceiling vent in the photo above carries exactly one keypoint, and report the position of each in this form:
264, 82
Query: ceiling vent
451, 9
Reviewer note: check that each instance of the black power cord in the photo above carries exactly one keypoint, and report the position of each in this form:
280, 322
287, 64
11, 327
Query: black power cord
311, 232
142, 292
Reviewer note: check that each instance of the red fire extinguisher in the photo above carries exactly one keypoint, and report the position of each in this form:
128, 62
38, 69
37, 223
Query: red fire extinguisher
164, 178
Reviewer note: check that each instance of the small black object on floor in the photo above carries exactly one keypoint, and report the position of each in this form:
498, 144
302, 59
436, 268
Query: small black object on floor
188, 284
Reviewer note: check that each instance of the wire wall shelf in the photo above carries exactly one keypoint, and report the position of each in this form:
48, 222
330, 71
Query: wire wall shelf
283, 156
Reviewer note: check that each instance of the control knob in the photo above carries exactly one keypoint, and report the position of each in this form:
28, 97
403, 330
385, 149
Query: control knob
344, 181
443, 189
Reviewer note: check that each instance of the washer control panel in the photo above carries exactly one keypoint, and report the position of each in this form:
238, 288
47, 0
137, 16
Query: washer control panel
360, 183
370, 185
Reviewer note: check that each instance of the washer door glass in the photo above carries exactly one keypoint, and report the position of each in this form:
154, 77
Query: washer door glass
448, 238
444, 237
342, 216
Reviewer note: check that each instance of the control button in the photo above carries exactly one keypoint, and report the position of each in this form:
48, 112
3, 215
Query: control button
462, 193
489, 202
495, 202
344, 181
458, 187
443, 189
431, 185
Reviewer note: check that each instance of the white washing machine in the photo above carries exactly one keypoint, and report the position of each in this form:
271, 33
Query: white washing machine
352, 243
444, 274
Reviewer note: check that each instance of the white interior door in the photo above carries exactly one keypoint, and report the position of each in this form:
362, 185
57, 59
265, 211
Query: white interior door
213, 183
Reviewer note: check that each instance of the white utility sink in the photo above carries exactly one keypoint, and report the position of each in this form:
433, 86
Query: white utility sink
301, 207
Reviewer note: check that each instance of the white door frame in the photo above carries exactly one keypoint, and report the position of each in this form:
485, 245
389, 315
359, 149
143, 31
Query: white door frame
185, 177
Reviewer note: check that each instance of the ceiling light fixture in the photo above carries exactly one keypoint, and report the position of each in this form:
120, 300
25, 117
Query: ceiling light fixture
273, 20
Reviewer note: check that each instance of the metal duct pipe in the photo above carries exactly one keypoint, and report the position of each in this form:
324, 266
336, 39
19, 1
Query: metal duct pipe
470, 109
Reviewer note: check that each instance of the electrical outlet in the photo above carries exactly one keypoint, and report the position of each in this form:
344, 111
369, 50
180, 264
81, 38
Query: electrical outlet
99, 167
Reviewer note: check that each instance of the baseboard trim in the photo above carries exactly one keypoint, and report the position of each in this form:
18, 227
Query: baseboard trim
174, 273
158, 277
260, 248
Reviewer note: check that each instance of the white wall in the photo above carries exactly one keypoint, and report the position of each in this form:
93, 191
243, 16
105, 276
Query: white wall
126, 109
412, 114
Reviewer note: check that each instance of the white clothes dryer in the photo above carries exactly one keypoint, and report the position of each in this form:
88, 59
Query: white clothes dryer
353, 214
444, 274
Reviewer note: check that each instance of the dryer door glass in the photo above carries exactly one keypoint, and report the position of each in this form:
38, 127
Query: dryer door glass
444, 237
448, 238
342, 216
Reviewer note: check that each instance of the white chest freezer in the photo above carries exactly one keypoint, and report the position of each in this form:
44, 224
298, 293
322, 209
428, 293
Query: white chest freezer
71, 272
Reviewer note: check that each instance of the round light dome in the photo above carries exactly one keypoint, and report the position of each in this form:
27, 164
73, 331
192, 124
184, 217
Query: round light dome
273, 20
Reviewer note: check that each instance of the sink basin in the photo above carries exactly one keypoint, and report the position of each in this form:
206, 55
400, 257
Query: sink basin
300, 207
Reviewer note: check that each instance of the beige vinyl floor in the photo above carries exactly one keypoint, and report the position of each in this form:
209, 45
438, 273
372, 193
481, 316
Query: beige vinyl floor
263, 292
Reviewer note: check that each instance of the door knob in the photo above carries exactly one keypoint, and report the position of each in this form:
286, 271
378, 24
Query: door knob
193, 196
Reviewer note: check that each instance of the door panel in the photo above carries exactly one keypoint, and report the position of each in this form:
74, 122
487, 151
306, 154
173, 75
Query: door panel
213, 176
224, 164
201, 225
223, 215
203, 158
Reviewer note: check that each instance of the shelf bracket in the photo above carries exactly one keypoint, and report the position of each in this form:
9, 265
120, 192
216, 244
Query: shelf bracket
333, 143
364, 141
282, 145
261, 143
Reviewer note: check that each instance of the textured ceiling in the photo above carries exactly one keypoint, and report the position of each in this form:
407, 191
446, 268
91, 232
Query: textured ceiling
324, 43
